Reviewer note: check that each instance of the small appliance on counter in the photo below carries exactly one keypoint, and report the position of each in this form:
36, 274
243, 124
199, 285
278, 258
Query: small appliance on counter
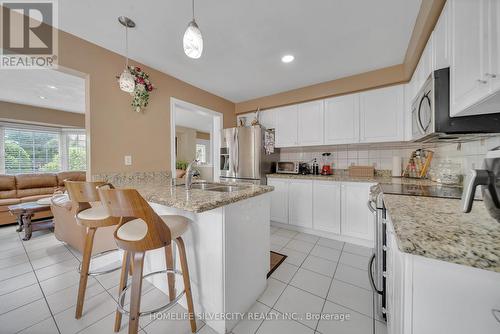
326, 169
304, 168
488, 177
287, 167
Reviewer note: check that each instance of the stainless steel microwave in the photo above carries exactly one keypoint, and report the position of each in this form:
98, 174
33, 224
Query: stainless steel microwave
287, 167
431, 121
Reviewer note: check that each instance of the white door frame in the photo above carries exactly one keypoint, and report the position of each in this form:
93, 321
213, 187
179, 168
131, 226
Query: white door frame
215, 133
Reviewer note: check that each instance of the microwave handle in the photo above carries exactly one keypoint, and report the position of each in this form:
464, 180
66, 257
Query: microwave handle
476, 177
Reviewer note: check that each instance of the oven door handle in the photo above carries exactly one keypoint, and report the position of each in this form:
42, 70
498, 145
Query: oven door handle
370, 275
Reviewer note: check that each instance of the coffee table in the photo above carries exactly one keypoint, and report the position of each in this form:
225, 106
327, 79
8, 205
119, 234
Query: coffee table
25, 213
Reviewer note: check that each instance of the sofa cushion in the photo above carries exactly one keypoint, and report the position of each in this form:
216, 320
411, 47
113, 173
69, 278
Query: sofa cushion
7, 186
41, 180
33, 198
72, 176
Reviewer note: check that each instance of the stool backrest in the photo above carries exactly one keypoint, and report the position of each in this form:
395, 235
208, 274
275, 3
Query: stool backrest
128, 204
82, 191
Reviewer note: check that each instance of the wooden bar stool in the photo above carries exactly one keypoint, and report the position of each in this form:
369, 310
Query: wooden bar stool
91, 217
141, 230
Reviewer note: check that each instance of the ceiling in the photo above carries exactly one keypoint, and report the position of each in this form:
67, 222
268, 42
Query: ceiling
61, 91
194, 119
245, 40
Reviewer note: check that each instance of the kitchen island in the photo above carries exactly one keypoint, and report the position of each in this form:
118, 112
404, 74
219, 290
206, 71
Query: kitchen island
227, 246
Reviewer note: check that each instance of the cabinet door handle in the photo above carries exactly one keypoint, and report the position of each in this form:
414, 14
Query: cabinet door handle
482, 81
491, 75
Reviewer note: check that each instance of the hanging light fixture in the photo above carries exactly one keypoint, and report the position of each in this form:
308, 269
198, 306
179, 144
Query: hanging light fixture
126, 80
193, 41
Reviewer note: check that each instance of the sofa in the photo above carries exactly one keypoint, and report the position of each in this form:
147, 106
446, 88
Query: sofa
22, 188
66, 228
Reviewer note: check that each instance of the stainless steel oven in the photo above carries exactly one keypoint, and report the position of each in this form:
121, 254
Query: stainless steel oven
377, 265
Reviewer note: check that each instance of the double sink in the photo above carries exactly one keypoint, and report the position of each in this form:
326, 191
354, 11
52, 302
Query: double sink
218, 187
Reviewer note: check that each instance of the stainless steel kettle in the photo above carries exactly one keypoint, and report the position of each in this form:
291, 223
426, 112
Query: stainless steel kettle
488, 177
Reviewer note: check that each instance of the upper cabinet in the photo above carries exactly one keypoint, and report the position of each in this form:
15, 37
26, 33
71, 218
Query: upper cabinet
441, 47
310, 123
287, 126
469, 54
341, 125
268, 119
381, 115
474, 56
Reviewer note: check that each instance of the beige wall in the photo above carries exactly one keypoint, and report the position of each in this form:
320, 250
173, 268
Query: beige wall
186, 143
35, 115
115, 130
202, 135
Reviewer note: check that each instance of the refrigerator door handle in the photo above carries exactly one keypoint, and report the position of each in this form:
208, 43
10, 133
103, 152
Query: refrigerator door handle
370, 275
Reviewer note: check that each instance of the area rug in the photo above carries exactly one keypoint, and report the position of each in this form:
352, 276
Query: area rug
276, 260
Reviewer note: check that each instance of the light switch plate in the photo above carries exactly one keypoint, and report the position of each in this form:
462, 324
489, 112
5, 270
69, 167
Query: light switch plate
128, 160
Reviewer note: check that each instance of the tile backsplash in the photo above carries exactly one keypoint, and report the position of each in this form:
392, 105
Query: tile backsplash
469, 155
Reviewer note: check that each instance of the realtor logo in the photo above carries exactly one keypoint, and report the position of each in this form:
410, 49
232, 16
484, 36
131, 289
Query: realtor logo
29, 34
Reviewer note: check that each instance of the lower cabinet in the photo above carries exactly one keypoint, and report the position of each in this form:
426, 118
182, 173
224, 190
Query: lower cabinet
357, 220
279, 200
334, 207
300, 203
326, 206
428, 296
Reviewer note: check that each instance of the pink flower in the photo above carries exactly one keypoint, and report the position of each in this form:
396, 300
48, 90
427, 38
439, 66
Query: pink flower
137, 68
140, 80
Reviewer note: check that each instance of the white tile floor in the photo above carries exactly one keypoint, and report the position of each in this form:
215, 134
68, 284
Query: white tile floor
39, 280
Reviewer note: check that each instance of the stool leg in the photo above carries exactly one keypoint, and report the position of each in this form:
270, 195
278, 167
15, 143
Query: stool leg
170, 266
84, 273
121, 287
135, 298
187, 283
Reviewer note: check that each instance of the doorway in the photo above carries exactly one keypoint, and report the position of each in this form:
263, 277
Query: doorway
195, 134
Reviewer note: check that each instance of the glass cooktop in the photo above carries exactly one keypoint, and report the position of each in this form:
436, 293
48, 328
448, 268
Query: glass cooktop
419, 190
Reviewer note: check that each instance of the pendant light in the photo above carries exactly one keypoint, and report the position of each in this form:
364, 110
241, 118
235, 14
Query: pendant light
127, 80
193, 41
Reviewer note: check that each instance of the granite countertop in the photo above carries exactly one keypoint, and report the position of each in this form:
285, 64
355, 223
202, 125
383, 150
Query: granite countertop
342, 177
194, 200
436, 228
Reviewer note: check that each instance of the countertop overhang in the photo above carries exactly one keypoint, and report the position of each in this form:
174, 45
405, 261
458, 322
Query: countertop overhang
194, 200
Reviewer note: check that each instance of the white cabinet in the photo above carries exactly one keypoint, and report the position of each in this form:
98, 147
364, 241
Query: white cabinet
338, 208
469, 54
326, 206
267, 118
286, 126
381, 115
279, 200
341, 124
310, 123
300, 203
441, 47
356, 218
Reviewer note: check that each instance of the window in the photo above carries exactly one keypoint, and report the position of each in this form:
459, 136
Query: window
31, 149
201, 153
77, 153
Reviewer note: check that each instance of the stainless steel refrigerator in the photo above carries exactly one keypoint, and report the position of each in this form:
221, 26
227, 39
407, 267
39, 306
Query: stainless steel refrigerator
243, 157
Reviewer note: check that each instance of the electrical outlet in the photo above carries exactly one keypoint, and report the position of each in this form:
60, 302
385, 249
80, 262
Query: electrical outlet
128, 160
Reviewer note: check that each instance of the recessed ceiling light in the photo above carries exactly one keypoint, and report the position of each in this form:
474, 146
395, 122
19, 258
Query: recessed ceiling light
287, 58
42, 97
52, 87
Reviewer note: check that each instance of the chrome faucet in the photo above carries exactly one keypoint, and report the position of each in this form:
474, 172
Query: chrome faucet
189, 173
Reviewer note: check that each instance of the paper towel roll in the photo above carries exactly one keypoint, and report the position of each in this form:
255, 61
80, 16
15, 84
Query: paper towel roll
397, 164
